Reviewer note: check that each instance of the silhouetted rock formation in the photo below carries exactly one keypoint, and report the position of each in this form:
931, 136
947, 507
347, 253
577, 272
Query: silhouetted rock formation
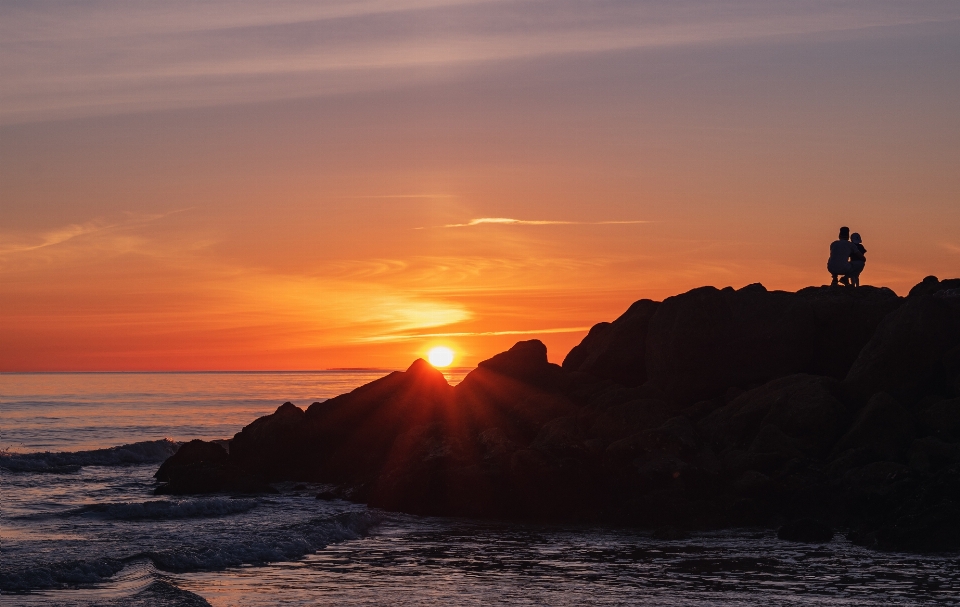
829, 407
204, 467
915, 351
705, 341
616, 350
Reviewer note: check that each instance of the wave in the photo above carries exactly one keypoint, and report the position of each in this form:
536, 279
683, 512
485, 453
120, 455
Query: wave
283, 543
146, 452
269, 545
166, 510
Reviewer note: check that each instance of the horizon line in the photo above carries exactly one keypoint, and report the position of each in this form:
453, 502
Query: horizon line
225, 371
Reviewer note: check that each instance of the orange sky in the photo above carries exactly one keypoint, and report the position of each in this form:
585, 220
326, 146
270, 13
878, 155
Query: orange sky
306, 186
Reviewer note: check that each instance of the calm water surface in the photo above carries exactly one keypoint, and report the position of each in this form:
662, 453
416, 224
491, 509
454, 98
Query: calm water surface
80, 525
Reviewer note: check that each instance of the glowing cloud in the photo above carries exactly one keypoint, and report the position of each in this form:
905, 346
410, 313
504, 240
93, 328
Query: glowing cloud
534, 222
477, 334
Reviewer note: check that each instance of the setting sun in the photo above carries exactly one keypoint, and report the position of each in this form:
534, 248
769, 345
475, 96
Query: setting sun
440, 356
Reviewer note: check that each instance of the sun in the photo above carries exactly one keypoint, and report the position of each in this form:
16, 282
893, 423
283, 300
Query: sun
441, 356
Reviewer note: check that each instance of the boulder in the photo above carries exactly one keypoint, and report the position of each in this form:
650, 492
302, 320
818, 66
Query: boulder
931, 285
942, 420
883, 428
800, 413
274, 445
703, 342
929, 454
616, 350
354, 437
874, 490
922, 519
205, 467
915, 352
526, 362
189, 454
806, 530
517, 391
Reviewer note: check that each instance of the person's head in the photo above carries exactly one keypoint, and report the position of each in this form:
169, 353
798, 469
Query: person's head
855, 238
844, 233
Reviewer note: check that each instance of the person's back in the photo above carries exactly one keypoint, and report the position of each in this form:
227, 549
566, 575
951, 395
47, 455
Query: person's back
840, 253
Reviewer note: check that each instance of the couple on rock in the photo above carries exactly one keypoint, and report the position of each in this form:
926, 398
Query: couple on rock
847, 258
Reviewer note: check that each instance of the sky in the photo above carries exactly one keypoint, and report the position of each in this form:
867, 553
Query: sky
308, 185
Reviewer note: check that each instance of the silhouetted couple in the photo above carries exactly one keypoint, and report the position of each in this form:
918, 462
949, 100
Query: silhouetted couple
847, 258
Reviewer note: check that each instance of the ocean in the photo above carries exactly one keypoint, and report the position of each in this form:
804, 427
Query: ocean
79, 524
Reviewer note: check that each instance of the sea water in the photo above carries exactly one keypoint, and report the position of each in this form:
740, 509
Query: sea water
79, 523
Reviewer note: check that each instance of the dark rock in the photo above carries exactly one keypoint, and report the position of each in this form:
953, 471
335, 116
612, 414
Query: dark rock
930, 454
931, 285
883, 427
190, 454
743, 420
705, 341
806, 530
563, 437
911, 354
274, 445
625, 419
943, 420
751, 482
924, 522
616, 350
204, 467
526, 362
800, 412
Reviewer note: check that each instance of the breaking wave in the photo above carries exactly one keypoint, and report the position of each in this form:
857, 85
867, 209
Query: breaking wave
146, 452
166, 510
267, 545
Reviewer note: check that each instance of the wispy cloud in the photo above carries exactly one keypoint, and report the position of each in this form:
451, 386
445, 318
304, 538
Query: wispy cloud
23, 243
405, 337
951, 247
97, 59
532, 222
54, 237
401, 196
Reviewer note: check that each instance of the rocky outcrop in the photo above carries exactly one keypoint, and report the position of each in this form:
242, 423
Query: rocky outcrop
826, 408
616, 350
914, 353
884, 429
932, 285
205, 467
703, 342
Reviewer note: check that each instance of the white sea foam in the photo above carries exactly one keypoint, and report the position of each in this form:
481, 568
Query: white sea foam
145, 452
166, 509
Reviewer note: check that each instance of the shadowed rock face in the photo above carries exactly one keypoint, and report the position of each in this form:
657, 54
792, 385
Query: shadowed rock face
707, 340
796, 416
616, 350
204, 467
194, 452
931, 285
915, 352
743, 420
